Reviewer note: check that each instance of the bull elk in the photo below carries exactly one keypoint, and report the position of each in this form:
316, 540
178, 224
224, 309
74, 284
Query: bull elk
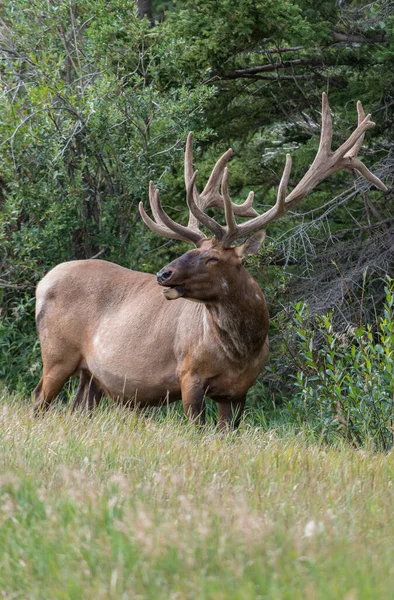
200, 327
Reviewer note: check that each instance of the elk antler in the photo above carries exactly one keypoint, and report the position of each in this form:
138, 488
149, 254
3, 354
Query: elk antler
210, 197
325, 163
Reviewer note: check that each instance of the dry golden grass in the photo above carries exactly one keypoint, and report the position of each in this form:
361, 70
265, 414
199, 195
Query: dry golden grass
127, 506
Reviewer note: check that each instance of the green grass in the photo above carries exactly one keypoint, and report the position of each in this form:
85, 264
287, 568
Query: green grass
123, 505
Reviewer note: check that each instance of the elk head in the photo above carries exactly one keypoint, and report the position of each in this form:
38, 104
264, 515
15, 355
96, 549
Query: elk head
204, 274
207, 273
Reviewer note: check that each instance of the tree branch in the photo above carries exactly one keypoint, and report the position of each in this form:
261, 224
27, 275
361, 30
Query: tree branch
280, 50
298, 62
358, 38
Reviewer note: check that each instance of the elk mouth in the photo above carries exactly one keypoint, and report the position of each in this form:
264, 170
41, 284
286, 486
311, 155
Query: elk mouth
172, 292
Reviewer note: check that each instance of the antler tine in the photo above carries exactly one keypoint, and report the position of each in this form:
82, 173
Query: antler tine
228, 209
211, 190
365, 124
361, 116
351, 155
281, 197
153, 204
366, 173
155, 227
247, 210
240, 210
326, 126
201, 216
184, 233
163, 224
210, 196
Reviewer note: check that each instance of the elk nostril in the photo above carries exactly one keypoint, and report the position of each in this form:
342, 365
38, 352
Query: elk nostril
163, 276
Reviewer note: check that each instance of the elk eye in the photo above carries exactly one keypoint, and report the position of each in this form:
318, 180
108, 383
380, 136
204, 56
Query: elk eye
212, 259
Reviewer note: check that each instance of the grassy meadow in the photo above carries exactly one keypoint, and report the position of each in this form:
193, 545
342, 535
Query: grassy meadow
125, 505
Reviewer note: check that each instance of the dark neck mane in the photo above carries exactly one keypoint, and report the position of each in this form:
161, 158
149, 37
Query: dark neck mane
240, 319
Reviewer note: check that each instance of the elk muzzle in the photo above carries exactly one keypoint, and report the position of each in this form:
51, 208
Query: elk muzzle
171, 292
164, 276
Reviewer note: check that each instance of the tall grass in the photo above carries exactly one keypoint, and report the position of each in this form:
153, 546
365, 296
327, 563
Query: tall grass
122, 505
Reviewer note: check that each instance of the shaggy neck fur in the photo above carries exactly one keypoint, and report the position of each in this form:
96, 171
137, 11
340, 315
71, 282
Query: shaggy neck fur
240, 319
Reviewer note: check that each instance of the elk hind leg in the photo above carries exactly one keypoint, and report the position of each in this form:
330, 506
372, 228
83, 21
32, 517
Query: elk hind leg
230, 414
88, 394
50, 385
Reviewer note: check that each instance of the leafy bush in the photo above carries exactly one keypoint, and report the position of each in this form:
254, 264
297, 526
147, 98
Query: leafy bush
345, 381
20, 362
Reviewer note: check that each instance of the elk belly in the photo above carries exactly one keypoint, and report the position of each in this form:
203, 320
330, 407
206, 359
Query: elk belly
124, 369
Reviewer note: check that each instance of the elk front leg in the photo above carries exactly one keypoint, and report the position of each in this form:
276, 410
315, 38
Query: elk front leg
193, 399
230, 413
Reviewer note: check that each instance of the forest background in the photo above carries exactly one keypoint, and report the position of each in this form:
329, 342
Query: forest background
97, 98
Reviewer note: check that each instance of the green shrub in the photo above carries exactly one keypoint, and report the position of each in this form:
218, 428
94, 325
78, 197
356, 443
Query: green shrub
345, 382
20, 362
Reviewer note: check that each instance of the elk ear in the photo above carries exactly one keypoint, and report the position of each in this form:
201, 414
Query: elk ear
252, 245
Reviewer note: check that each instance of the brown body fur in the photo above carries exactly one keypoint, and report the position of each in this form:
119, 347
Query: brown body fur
116, 329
